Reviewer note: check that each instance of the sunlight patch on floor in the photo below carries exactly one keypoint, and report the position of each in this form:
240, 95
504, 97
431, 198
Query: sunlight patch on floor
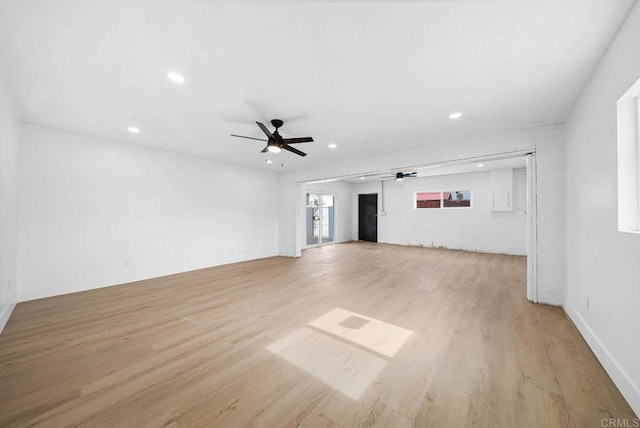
381, 337
347, 368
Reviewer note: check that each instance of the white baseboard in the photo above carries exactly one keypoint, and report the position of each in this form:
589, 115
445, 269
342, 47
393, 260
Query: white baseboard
85, 285
6, 313
620, 377
550, 296
109, 281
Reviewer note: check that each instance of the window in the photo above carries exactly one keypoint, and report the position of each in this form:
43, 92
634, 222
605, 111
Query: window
428, 199
443, 199
457, 199
628, 107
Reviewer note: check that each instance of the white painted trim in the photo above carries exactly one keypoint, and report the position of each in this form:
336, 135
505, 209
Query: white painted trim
628, 145
550, 296
112, 280
300, 212
5, 315
637, 118
621, 379
532, 232
630, 231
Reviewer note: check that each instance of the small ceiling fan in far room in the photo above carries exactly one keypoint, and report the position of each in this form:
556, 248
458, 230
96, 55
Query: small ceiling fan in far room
275, 142
402, 175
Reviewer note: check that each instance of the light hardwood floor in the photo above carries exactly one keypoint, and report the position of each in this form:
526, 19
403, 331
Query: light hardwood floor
348, 335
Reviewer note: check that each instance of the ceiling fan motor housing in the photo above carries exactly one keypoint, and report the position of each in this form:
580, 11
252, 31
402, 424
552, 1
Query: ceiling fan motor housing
275, 142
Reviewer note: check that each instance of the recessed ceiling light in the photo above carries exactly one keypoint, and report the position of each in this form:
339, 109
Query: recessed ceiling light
333, 145
480, 165
133, 129
175, 77
455, 115
268, 161
361, 178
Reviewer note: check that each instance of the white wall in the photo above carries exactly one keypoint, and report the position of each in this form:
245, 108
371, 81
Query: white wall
95, 213
8, 203
547, 141
342, 209
603, 265
474, 229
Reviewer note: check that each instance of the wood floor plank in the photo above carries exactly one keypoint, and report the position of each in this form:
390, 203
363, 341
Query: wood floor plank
355, 334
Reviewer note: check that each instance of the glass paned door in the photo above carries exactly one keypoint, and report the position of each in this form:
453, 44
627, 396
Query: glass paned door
319, 218
326, 219
312, 216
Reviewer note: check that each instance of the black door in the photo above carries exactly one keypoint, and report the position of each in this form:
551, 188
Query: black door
368, 217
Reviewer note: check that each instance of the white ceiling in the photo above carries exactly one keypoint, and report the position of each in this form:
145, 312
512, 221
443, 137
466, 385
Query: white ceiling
372, 76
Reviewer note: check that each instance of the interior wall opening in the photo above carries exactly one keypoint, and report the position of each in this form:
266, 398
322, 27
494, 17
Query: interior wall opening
508, 193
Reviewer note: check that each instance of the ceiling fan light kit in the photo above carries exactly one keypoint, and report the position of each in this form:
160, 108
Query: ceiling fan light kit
273, 147
275, 142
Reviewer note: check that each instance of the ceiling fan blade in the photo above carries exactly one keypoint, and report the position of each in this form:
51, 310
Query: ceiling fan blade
250, 138
265, 150
292, 150
265, 130
297, 140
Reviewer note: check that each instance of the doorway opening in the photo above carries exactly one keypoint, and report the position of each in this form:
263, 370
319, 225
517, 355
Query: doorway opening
499, 199
320, 219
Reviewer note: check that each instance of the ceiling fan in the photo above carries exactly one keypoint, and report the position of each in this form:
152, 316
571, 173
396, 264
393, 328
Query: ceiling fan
402, 175
275, 142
